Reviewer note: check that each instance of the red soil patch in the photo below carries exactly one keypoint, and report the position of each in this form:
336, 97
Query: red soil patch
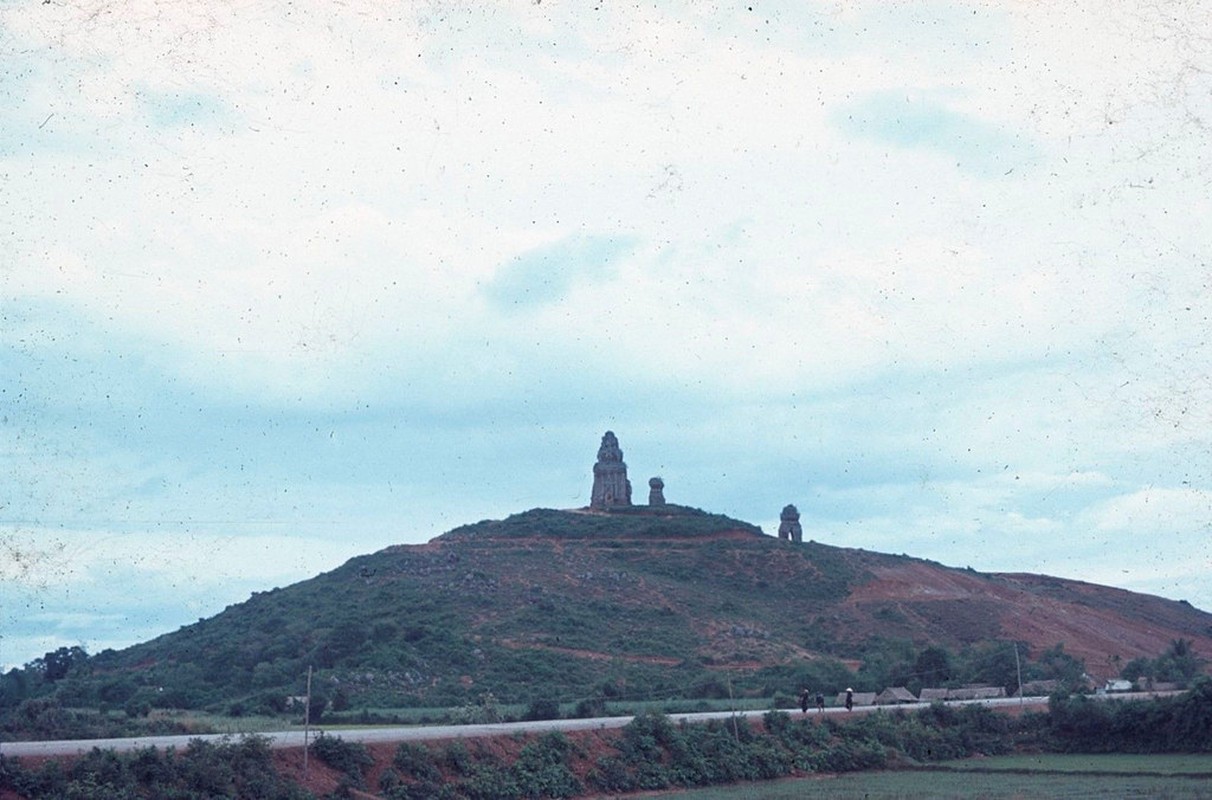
319, 778
1105, 627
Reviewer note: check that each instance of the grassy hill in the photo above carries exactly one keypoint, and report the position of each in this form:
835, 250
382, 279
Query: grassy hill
571, 605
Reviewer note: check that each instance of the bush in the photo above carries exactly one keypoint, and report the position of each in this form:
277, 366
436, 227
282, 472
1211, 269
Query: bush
1180, 724
542, 768
457, 758
655, 754
416, 762
349, 758
201, 770
850, 757
491, 783
777, 722
137, 707
590, 707
542, 709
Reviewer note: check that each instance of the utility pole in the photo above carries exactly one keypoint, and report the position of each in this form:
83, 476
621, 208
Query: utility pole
732, 702
1018, 669
307, 720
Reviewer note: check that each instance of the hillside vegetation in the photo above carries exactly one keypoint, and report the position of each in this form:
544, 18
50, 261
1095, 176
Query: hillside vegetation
653, 753
579, 606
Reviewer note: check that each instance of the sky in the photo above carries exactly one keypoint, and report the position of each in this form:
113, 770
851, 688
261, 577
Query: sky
286, 282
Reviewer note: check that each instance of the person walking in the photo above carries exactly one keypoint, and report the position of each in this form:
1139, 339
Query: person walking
849, 699
804, 701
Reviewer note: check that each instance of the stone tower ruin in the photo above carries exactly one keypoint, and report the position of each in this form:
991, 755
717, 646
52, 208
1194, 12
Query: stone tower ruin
789, 524
656, 491
611, 488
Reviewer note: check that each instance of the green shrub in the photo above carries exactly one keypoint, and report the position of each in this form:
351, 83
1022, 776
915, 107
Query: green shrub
542, 768
590, 707
777, 722
457, 758
423, 790
416, 762
389, 779
491, 783
849, 757
137, 707
542, 709
1181, 724
349, 758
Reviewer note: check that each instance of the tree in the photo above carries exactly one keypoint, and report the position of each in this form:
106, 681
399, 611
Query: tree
319, 704
14, 687
1057, 664
991, 663
56, 664
1179, 663
1137, 668
933, 666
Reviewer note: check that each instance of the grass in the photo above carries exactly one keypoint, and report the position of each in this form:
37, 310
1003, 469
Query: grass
204, 722
1171, 764
957, 786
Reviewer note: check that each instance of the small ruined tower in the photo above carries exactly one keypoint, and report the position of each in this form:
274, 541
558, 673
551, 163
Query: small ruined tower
789, 524
610, 485
656, 492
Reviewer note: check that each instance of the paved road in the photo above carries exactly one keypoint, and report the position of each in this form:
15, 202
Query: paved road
294, 738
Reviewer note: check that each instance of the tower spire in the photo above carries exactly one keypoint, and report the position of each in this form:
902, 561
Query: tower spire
610, 485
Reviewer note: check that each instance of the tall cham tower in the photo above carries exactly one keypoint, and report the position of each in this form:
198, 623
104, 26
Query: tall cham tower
611, 488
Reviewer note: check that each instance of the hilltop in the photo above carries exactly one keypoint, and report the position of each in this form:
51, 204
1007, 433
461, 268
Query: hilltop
635, 602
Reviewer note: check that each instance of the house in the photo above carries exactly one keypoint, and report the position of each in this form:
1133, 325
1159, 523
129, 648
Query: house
860, 698
894, 695
976, 693
963, 693
1038, 688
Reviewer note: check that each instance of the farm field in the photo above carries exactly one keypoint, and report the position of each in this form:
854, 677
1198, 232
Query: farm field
1191, 765
1065, 777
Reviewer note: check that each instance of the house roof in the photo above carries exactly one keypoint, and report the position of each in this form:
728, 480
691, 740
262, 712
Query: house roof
860, 698
963, 693
976, 693
1038, 688
895, 694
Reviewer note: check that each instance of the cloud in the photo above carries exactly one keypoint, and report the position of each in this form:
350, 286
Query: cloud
364, 272
909, 120
543, 275
170, 109
1155, 511
272, 286
95, 557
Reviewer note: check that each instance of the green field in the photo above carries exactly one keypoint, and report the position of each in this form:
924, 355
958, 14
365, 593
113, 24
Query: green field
1191, 765
1166, 777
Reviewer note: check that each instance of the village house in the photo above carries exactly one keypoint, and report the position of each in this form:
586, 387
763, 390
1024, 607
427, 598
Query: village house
894, 695
860, 698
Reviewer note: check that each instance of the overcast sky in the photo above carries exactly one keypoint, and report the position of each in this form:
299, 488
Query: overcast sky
282, 283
